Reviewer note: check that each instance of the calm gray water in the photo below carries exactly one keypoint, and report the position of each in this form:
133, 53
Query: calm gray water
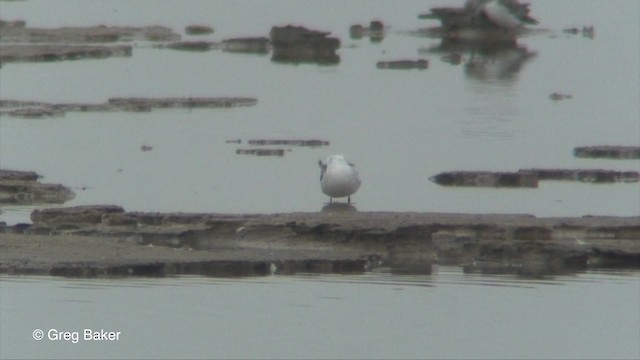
399, 127
444, 315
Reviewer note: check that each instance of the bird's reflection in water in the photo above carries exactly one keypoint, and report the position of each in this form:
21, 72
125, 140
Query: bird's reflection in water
338, 207
485, 60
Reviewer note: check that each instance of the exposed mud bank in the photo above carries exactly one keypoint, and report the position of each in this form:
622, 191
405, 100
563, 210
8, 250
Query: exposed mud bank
36, 110
23, 188
106, 240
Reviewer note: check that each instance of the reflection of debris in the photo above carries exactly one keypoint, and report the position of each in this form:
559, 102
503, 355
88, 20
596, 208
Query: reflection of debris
309, 142
295, 44
529, 178
146, 148
375, 31
557, 96
608, 152
234, 141
403, 64
453, 59
23, 187
261, 152
257, 45
500, 61
586, 31
198, 30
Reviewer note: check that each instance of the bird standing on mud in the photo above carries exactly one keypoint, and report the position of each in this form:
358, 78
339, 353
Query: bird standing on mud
338, 178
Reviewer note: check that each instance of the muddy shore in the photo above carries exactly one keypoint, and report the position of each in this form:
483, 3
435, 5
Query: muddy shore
108, 241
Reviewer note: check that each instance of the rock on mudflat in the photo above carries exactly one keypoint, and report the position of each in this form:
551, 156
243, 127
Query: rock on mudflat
607, 152
18, 187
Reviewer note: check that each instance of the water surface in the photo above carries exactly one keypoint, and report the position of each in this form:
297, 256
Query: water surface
399, 127
448, 314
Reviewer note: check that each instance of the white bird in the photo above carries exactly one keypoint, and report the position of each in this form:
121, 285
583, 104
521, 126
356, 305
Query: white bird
338, 178
507, 14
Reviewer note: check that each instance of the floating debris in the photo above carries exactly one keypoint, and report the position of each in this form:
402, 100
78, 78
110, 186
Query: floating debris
146, 148
486, 179
607, 152
198, 30
296, 44
309, 142
557, 96
261, 152
420, 64
253, 45
188, 102
234, 141
23, 187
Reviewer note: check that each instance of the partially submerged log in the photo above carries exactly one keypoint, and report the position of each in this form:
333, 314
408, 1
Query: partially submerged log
607, 152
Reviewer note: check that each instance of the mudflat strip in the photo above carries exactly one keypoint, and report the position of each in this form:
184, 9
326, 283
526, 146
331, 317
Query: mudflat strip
108, 241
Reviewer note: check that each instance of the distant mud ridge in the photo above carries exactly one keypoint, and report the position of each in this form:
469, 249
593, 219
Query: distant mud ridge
23, 188
35, 109
529, 178
106, 240
19, 43
277, 142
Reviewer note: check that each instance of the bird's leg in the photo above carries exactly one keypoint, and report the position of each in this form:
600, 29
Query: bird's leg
348, 199
330, 200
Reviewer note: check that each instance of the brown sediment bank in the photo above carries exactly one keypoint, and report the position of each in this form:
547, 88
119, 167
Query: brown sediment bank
106, 240
23, 187
36, 110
